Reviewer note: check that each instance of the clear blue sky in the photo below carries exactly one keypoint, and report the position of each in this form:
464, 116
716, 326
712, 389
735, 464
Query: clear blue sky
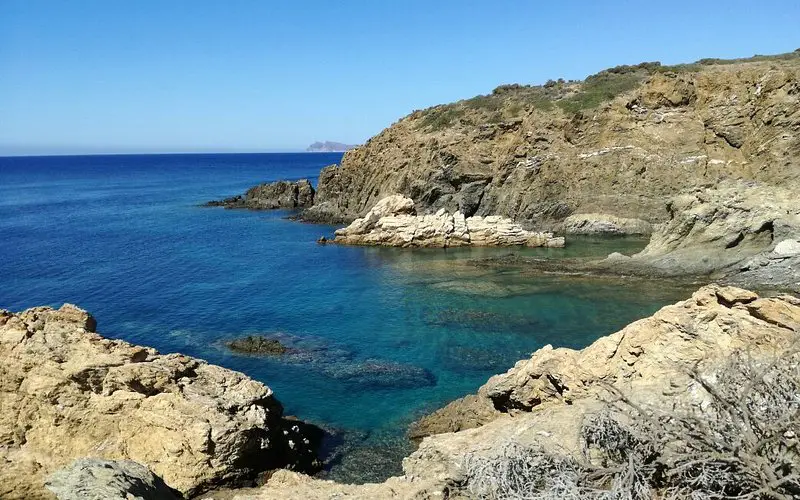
236, 75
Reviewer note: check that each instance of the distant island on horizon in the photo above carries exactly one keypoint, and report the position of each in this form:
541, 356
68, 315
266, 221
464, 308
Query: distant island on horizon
329, 147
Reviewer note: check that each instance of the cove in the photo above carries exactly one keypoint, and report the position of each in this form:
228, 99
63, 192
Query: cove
380, 336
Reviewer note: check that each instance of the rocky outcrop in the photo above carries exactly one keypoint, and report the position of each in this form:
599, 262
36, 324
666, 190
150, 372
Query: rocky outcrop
393, 222
256, 344
540, 154
274, 195
747, 233
543, 401
66, 393
96, 479
605, 224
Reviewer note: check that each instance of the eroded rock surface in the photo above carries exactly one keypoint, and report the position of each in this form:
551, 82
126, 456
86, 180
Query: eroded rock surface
67, 393
273, 195
393, 222
747, 232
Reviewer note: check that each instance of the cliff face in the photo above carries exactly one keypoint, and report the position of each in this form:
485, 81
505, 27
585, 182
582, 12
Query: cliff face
621, 143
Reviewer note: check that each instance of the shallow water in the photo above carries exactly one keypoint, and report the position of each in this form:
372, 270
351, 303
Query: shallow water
381, 335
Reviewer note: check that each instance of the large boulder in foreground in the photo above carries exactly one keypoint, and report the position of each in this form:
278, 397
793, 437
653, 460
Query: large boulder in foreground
281, 194
66, 393
393, 222
97, 479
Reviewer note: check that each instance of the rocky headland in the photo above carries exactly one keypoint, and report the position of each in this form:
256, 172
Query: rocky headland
269, 196
644, 149
393, 221
70, 394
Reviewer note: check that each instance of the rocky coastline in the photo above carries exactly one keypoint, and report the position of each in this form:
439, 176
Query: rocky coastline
291, 195
75, 404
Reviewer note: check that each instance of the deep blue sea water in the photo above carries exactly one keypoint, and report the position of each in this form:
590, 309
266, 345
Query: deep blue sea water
381, 335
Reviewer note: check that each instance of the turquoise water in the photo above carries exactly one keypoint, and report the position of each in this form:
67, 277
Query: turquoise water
380, 335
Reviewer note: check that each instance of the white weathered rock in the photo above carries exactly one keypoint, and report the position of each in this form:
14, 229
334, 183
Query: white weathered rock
392, 222
787, 248
605, 224
67, 393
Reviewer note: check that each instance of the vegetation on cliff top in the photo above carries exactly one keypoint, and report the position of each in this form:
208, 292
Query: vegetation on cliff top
508, 102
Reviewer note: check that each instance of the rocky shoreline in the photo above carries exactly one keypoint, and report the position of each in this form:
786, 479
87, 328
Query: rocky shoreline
291, 195
393, 221
69, 394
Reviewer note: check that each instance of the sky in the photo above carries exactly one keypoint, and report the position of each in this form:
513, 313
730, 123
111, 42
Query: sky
244, 75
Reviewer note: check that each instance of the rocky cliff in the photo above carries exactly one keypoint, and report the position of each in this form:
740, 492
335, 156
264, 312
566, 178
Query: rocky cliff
67, 393
621, 143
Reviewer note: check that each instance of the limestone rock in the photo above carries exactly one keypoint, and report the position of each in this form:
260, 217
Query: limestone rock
97, 479
393, 222
67, 393
605, 224
280, 194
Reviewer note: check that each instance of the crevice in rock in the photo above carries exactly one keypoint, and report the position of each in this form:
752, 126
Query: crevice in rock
735, 242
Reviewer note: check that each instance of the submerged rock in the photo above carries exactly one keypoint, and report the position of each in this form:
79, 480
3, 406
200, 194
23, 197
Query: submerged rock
273, 195
393, 222
378, 373
256, 344
98, 479
66, 392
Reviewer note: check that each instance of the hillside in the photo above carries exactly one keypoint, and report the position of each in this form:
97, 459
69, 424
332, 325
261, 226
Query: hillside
621, 142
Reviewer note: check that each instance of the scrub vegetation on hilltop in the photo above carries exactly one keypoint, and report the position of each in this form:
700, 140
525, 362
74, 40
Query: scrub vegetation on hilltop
509, 102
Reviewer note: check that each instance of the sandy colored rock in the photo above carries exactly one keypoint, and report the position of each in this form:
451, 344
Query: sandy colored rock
68, 393
393, 222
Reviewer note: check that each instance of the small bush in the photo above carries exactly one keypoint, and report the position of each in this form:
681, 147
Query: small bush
740, 441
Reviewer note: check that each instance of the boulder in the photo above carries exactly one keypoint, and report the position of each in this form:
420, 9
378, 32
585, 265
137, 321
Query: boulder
98, 479
67, 392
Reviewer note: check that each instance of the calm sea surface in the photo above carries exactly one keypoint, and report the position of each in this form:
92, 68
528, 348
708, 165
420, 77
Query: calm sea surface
379, 335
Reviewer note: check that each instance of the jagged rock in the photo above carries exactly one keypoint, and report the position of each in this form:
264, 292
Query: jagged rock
393, 222
66, 393
97, 479
281, 194
256, 344
605, 224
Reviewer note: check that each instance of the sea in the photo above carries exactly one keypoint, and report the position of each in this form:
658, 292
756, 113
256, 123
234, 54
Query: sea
377, 336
